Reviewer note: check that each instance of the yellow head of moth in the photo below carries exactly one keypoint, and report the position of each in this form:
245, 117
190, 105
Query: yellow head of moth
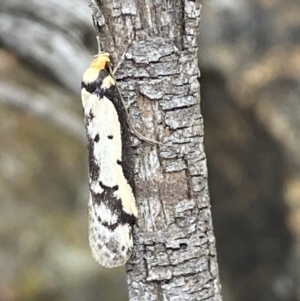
102, 61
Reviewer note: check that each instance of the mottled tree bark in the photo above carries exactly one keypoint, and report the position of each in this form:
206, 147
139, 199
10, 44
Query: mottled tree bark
174, 254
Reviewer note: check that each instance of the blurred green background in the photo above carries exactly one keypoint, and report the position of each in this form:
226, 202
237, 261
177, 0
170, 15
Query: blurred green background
249, 56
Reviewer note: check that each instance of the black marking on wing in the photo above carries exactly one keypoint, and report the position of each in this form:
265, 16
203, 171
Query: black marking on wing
113, 189
127, 159
107, 196
110, 136
90, 87
113, 95
91, 115
95, 86
123, 219
115, 205
93, 165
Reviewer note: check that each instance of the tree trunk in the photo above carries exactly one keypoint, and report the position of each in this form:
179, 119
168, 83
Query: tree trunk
174, 254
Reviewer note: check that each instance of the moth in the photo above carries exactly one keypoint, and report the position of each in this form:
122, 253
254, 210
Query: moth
112, 207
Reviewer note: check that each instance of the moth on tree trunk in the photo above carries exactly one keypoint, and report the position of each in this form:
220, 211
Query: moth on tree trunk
112, 206
174, 256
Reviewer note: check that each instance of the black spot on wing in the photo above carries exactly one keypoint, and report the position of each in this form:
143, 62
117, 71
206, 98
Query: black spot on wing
94, 167
110, 136
97, 138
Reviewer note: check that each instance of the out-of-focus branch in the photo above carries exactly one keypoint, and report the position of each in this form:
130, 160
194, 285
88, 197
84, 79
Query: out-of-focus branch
37, 105
55, 35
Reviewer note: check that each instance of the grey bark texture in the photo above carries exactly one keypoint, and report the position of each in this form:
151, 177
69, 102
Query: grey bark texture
174, 254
